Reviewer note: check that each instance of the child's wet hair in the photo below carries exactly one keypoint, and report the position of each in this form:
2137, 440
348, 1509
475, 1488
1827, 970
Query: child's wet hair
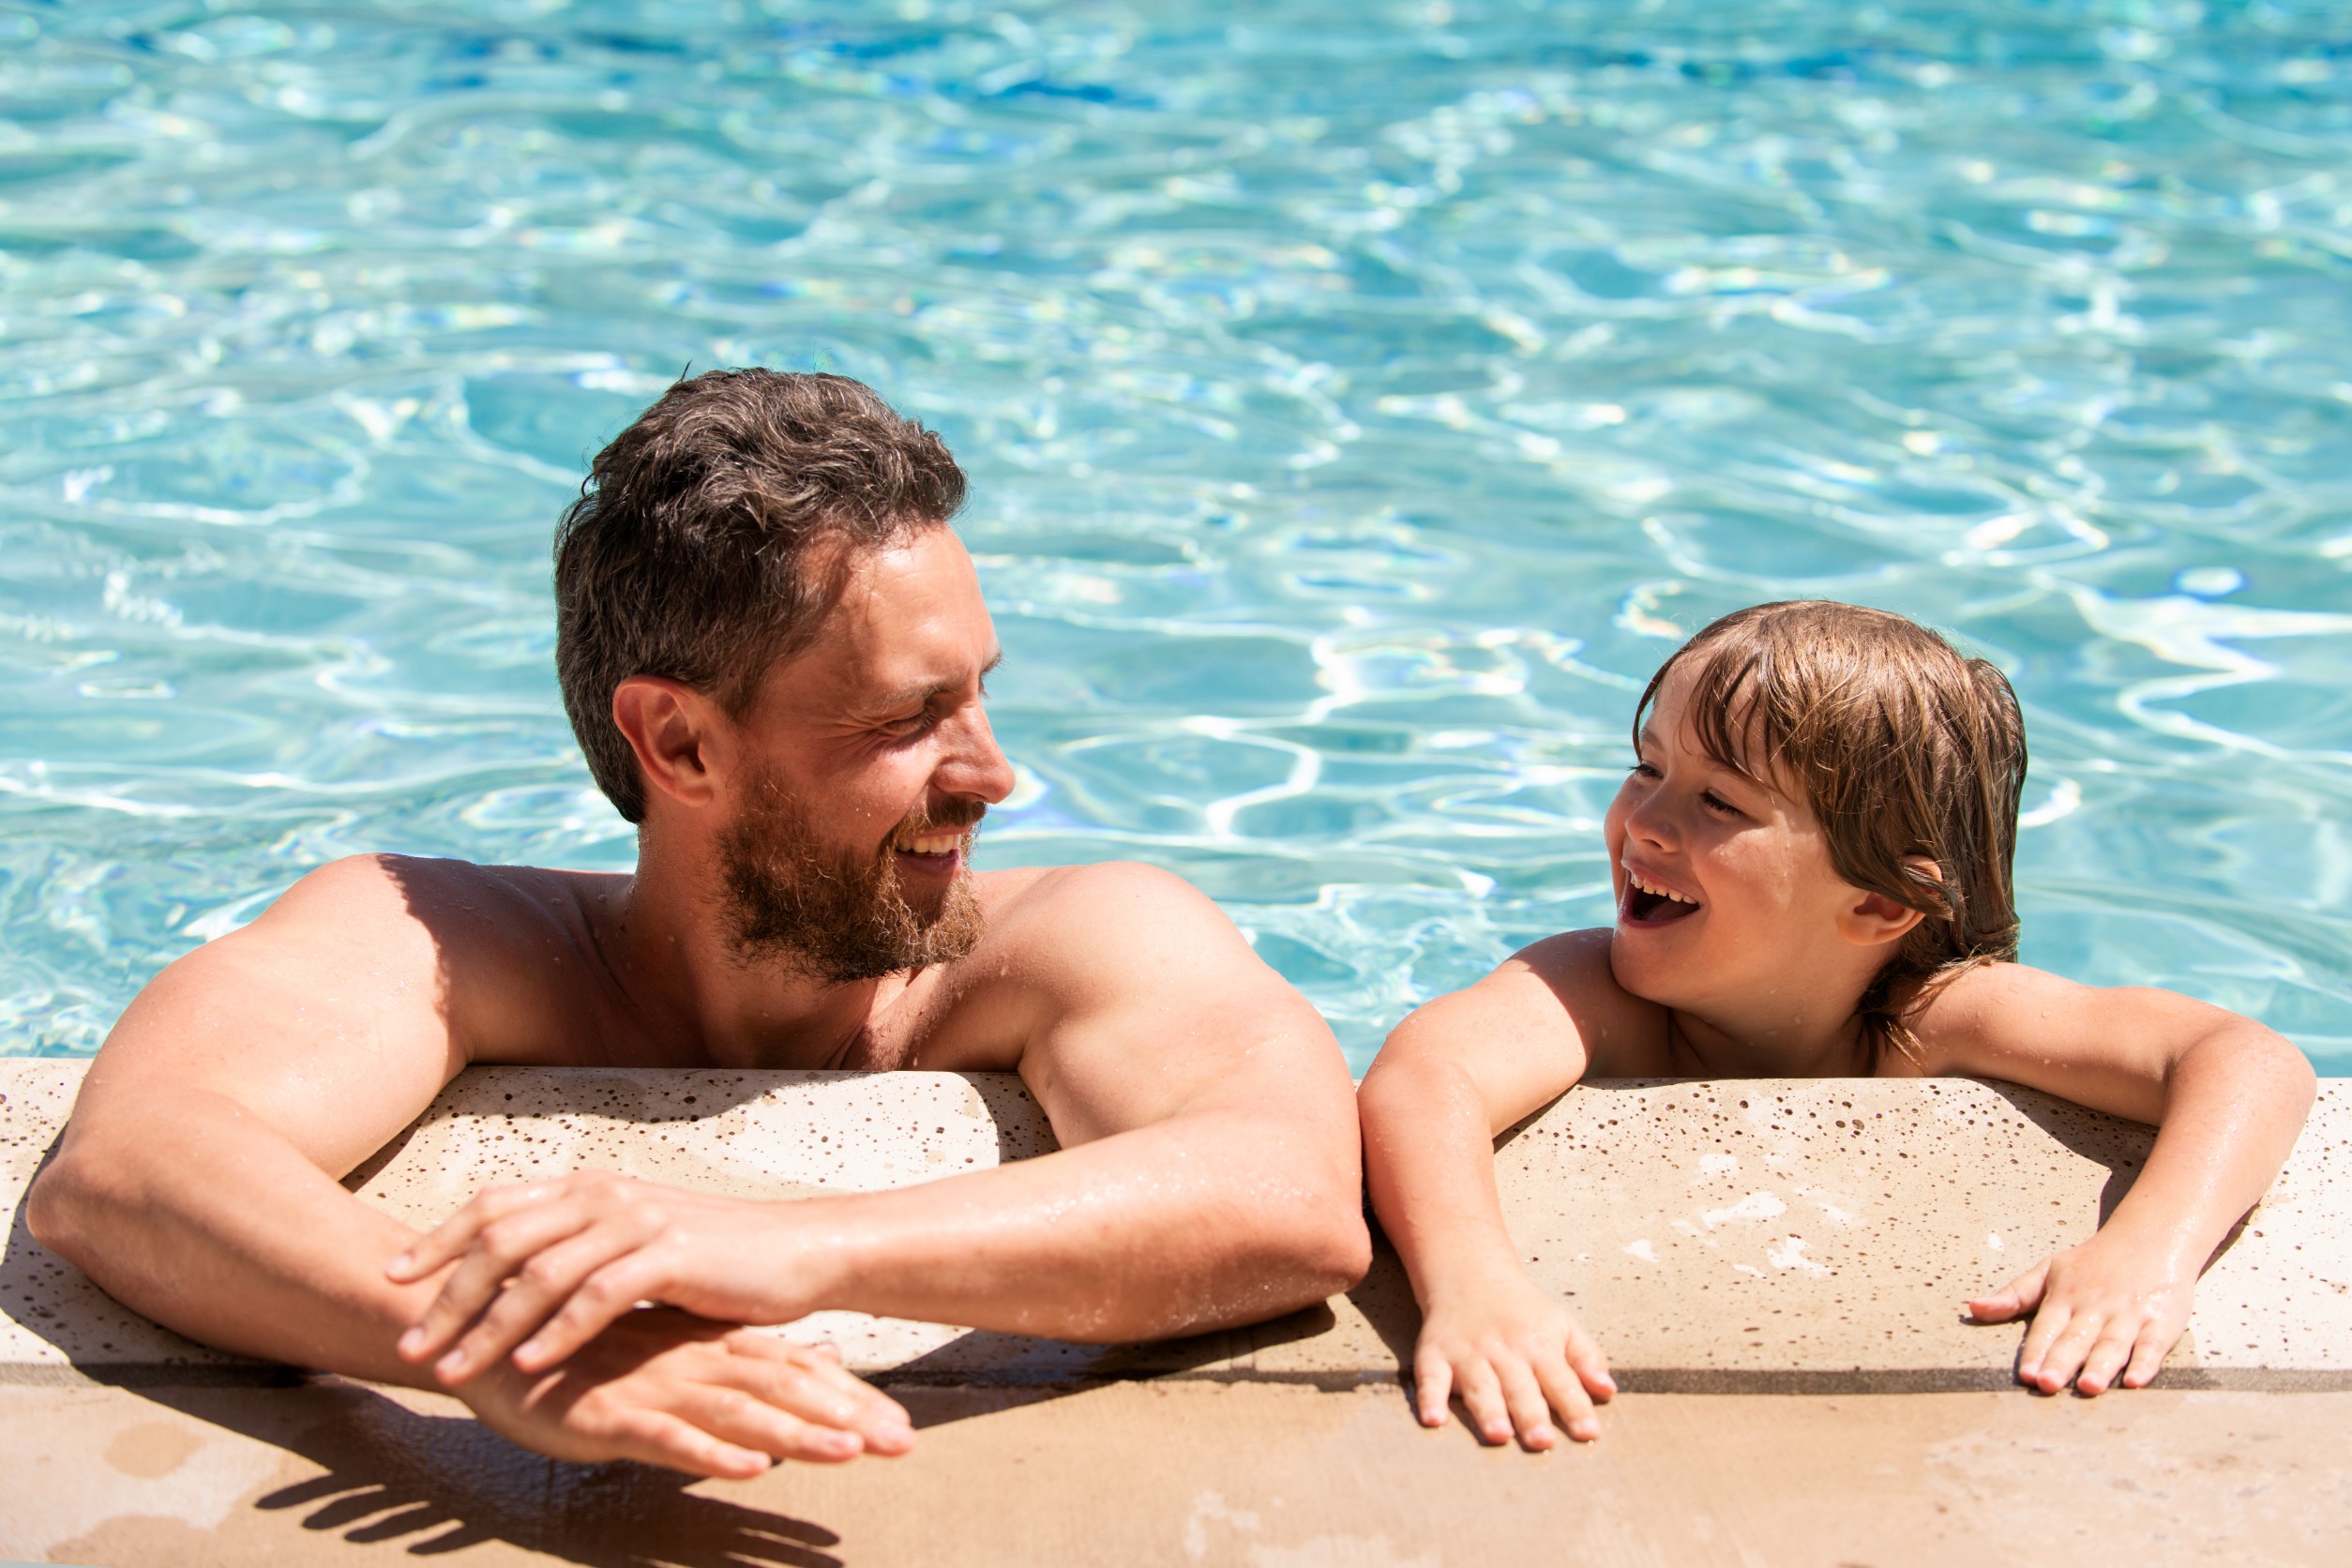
1907, 753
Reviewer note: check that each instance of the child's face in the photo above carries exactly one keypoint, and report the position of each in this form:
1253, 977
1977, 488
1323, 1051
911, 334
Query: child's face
1747, 918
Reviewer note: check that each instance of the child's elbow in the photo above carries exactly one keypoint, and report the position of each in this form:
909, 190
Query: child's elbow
2271, 1065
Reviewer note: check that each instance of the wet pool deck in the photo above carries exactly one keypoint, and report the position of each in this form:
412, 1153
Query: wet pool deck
1776, 1269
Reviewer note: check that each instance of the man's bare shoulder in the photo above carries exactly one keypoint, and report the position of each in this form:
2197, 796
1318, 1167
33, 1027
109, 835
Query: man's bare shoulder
1070, 941
1089, 919
508, 952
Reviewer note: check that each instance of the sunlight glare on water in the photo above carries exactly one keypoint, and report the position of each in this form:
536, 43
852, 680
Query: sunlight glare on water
1360, 400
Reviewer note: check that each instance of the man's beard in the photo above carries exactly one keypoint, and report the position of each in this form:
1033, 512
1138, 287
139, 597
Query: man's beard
838, 918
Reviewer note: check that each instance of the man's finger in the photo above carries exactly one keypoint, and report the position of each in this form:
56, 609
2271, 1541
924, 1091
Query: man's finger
455, 1234
823, 1393
2014, 1299
546, 1281
497, 1251
733, 1416
591, 1305
656, 1437
1564, 1390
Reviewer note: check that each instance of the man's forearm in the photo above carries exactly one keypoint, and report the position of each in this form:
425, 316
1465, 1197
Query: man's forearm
1195, 1223
200, 1216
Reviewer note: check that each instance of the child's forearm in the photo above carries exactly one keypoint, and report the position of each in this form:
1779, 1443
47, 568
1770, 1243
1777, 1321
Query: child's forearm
2234, 1105
1430, 1160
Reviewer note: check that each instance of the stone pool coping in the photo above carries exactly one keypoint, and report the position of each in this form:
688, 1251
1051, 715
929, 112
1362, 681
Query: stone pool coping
1758, 1237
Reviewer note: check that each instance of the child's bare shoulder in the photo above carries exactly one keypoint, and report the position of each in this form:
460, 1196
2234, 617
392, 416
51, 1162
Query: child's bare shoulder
1970, 1021
1623, 1037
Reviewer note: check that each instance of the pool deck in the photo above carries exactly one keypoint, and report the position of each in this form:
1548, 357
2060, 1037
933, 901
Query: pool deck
1775, 1269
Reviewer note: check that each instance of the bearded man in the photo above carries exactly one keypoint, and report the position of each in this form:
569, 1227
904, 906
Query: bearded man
772, 649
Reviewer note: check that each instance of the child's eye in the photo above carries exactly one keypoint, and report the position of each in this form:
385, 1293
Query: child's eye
1643, 770
1716, 802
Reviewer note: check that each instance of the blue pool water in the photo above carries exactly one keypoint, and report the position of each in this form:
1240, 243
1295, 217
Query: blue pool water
1360, 399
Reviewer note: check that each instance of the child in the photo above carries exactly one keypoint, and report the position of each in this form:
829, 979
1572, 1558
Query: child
1811, 864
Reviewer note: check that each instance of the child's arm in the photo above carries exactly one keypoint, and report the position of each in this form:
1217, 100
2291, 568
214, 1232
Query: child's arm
2228, 1098
1452, 1075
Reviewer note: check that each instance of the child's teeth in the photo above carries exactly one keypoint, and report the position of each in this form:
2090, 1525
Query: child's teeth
1659, 892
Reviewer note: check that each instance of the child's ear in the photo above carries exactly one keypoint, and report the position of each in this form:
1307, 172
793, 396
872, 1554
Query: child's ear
1873, 919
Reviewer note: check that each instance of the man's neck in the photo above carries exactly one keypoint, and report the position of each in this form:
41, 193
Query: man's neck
664, 934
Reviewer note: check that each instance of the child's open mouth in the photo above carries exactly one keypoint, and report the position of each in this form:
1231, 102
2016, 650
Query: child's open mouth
1646, 904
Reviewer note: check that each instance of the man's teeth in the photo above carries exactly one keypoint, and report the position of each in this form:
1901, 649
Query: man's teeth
938, 843
1660, 892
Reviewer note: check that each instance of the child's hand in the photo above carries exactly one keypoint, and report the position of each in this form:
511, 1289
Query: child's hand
1515, 1357
2102, 1307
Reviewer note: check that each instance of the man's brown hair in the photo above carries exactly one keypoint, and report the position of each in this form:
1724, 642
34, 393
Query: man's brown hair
711, 537
1907, 753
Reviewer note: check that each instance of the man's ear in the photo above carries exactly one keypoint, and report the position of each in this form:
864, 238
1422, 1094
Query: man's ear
681, 738
1873, 919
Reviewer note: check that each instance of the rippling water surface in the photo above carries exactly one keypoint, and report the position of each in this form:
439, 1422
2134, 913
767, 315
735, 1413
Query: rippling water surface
1360, 398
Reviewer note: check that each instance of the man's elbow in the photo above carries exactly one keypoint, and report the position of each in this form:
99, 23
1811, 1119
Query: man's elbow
1338, 1249
1324, 1245
58, 1208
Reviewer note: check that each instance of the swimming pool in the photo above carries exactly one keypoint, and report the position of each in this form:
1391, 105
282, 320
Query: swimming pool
1360, 399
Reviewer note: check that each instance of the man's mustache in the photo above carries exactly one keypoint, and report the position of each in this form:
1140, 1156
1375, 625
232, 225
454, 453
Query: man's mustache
960, 816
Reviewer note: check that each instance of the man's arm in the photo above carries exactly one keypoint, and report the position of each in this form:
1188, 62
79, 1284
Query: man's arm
1208, 1173
197, 1180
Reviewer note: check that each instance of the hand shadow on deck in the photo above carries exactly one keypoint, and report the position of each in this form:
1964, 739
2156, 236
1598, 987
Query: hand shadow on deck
443, 1483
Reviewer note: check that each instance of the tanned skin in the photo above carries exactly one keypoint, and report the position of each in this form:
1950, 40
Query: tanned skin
1208, 1175
1760, 976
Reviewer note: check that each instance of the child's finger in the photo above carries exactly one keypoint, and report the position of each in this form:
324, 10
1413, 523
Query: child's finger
1592, 1367
1565, 1390
2014, 1299
2106, 1358
2064, 1359
1530, 1412
2034, 1350
1433, 1387
2147, 1355
1482, 1396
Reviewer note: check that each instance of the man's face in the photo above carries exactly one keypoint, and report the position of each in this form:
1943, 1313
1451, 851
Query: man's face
867, 764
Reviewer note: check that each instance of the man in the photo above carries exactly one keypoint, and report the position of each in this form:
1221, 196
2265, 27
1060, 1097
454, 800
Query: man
772, 649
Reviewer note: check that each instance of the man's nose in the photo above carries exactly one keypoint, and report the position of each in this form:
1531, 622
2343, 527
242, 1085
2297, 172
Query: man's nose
974, 765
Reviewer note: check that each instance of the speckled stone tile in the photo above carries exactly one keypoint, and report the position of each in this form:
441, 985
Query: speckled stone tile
54, 1324
1759, 1233
1801, 1235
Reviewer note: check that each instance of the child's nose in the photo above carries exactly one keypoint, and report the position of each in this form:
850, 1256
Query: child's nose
1651, 823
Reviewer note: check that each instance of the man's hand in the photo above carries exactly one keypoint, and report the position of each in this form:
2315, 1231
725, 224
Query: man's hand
2104, 1307
664, 1388
543, 1270
1515, 1356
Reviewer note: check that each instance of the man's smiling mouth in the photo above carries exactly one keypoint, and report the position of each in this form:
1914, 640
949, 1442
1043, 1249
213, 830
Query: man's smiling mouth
931, 844
1648, 904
